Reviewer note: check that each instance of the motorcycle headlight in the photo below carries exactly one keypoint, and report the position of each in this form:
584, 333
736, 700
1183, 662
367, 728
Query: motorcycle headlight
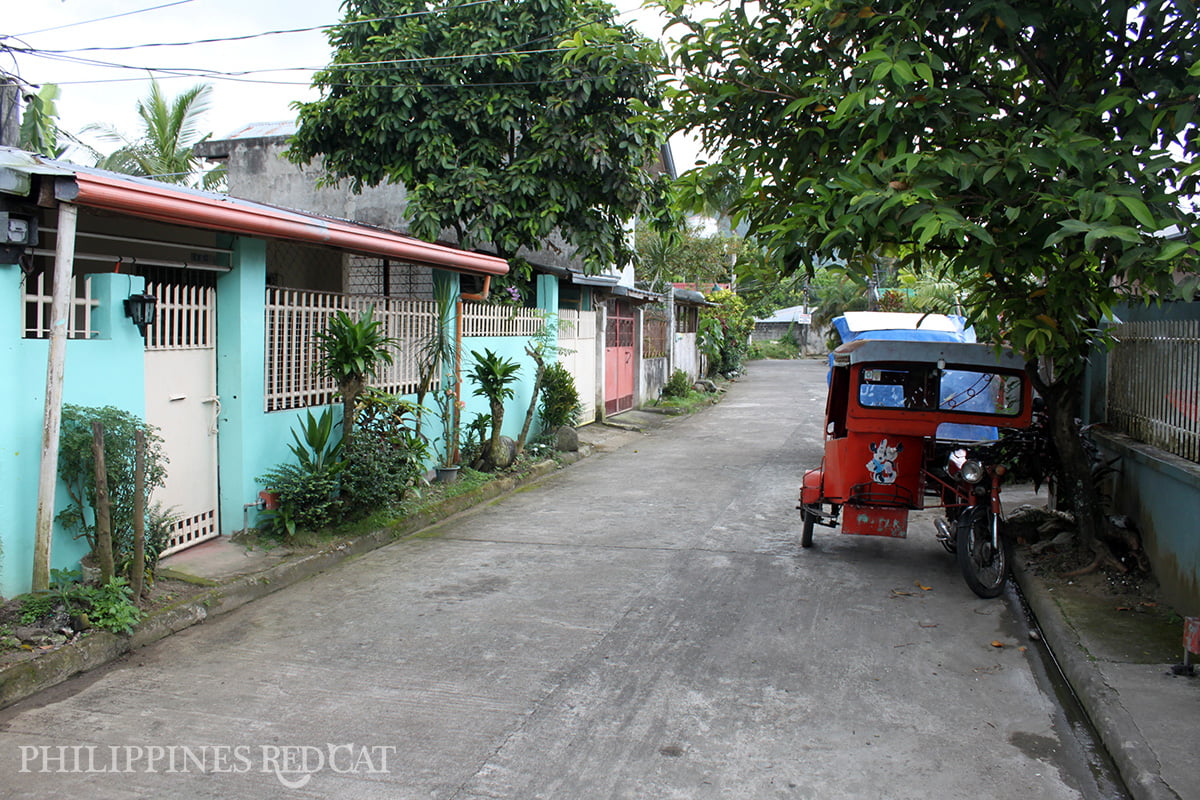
972, 471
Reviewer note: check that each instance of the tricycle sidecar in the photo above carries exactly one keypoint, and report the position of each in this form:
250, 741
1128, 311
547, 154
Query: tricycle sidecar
900, 421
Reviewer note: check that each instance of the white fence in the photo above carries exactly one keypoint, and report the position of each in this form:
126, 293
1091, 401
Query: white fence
37, 298
1154, 385
481, 319
577, 340
294, 318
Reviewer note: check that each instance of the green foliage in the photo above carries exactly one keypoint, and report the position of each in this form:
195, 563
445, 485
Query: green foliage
386, 459
724, 332
37, 606
76, 469
165, 148
1030, 150
317, 451
352, 351
560, 399
474, 438
678, 385
307, 491
306, 500
434, 351
1038, 153
505, 121
779, 348
110, 607
39, 123
686, 255
493, 376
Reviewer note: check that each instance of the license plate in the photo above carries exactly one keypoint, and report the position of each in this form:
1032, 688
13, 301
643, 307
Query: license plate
870, 521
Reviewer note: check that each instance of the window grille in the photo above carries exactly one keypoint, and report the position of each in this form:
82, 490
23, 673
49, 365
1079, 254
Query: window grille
655, 333
37, 298
294, 317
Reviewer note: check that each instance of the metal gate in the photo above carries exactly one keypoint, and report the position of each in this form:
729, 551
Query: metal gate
619, 357
181, 401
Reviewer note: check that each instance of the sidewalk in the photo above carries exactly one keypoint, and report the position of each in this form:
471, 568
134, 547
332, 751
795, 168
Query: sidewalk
1117, 659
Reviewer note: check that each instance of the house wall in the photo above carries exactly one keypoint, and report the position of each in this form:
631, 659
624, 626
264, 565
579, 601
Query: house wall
686, 355
106, 370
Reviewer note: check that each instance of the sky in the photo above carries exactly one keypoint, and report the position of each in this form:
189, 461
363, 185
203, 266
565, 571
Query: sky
261, 75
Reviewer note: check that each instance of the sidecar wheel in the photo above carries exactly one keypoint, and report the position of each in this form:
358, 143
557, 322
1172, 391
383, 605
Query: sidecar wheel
984, 567
806, 533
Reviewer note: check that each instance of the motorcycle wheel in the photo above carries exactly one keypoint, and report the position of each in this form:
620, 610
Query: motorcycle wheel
806, 532
984, 567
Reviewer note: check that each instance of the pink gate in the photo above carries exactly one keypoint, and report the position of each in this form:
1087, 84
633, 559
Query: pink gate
618, 358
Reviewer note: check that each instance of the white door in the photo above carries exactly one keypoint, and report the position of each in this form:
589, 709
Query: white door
181, 401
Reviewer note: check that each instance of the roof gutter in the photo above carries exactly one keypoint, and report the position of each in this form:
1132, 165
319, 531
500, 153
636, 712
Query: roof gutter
175, 207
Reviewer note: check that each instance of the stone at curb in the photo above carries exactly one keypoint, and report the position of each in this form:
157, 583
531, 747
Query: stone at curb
566, 439
23, 679
1135, 761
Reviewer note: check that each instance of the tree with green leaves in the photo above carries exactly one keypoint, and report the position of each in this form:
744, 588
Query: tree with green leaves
352, 351
506, 122
1035, 151
683, 254
165, 148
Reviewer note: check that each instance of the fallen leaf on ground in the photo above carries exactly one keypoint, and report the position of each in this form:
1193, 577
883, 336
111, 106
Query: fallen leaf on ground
997, 644
921, 587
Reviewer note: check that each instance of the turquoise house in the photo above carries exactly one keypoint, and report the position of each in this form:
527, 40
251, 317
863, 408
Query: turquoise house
227, 366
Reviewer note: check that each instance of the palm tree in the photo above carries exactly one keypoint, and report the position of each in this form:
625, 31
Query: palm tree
170, 132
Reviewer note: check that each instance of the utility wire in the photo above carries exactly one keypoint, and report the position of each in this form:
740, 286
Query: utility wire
245, 37
103, 19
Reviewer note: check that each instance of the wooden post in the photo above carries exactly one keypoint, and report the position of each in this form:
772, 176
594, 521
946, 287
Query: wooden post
60, 307
137, 577
104, 545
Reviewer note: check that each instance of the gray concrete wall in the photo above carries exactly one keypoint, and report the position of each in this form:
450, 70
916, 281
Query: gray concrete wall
1161, 492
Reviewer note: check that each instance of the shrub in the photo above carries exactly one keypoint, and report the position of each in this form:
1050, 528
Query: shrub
305, 499
387, 456
77, 471
678, 385
560, 399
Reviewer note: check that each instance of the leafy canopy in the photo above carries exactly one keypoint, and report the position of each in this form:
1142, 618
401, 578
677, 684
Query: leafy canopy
505, 121
1032, 149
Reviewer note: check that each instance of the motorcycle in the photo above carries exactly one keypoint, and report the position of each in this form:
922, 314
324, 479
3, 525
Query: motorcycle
907, 427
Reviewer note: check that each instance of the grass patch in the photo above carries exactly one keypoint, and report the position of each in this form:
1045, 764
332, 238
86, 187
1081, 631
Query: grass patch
779, 348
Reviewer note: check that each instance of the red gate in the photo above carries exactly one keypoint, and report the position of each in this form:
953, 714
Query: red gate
618, 358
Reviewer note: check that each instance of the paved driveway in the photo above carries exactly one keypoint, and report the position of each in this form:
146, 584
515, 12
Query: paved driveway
640, 625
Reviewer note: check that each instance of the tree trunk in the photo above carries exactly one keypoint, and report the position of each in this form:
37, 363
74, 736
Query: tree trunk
350, 390
1075, 489
493, 449
540, 360
104, 548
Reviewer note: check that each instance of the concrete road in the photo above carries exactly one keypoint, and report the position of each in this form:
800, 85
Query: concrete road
641, 625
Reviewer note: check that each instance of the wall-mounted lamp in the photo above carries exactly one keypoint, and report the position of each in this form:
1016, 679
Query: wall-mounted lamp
140, 309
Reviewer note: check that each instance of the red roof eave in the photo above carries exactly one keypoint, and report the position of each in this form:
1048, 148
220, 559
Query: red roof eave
164, 204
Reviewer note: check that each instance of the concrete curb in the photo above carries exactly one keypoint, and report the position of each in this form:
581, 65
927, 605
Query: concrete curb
26, 678
1136, 762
